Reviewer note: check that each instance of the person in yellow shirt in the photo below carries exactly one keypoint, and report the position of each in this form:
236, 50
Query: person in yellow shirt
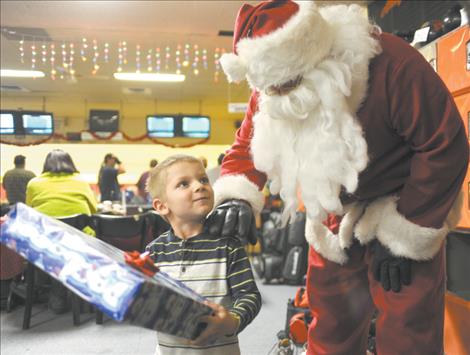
59, 192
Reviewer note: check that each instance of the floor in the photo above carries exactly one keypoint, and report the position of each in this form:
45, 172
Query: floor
55, 334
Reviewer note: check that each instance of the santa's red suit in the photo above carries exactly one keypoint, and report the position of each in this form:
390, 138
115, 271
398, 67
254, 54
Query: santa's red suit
361, 123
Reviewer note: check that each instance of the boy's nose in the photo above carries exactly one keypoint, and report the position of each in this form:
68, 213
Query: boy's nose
199, 186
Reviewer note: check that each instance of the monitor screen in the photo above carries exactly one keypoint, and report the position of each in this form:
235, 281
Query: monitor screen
104, 120
7, 123
161, 126
196, 126
37, 122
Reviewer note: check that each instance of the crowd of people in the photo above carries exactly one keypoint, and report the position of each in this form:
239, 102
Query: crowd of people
59, 192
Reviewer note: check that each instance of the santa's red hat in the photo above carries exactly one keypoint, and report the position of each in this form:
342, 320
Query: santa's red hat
276, 41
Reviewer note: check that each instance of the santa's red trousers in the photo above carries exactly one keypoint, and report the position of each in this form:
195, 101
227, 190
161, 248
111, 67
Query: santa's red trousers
342, 300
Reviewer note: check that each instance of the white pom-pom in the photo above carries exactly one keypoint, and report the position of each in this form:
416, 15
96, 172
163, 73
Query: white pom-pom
233, 67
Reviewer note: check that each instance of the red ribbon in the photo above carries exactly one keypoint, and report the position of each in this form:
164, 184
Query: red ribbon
141, 262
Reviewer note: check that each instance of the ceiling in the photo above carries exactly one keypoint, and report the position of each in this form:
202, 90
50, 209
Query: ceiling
150, 24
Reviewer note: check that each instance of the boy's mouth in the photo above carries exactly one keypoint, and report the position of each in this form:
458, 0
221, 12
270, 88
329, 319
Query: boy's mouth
201, 199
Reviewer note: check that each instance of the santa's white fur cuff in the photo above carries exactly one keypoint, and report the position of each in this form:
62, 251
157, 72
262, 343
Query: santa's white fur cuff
404, 238
238, 187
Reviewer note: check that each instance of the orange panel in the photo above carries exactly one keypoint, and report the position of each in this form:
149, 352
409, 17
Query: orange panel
452, 59
463, 103
456, 325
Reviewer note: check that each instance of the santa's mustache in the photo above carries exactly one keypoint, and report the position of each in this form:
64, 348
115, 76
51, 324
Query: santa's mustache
297, 104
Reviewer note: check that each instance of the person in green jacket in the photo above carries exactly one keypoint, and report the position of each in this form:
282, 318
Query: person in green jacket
59, 192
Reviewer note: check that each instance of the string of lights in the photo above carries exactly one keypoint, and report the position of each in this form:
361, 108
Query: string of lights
188, 58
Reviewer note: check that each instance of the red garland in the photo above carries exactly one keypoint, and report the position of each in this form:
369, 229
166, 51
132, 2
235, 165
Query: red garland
94, 135
125, 136
134, 139
27, 144
178, 145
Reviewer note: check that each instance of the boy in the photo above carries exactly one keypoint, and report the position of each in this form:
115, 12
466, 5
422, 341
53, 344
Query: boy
216, 268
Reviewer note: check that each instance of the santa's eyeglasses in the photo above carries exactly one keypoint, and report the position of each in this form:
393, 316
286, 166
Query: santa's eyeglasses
285, 88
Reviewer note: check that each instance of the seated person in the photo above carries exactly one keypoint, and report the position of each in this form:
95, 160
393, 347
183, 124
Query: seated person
59, 192
216, 268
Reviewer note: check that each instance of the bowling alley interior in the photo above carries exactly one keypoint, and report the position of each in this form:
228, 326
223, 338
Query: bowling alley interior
235, 177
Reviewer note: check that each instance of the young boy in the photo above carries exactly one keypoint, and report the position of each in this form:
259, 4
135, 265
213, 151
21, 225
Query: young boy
216, 268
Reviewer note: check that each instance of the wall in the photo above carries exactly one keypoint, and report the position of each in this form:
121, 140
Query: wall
71, 114
88, 157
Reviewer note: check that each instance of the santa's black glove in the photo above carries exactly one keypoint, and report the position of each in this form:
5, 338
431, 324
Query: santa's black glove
390, 270
233, 218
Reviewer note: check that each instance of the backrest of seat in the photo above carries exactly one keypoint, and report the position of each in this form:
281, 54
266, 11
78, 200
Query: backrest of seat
154, 226
124, 232
78, 221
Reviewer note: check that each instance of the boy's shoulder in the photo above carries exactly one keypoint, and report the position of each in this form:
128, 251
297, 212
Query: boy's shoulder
162, 238
230, 242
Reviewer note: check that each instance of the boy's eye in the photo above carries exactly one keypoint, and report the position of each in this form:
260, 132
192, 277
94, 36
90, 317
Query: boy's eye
182, 184
204, 180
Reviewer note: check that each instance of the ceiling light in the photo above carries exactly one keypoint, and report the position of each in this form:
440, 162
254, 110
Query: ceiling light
11, 73
149, 77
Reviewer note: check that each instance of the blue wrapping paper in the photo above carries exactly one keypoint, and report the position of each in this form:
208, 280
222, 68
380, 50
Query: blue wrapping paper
97, 272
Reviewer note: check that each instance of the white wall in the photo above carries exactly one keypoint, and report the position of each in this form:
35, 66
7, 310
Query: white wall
88, 157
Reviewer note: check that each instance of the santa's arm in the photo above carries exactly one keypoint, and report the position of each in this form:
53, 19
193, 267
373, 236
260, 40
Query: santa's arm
415, 222
239, 178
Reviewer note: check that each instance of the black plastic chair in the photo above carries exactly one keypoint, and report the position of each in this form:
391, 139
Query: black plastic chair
154, 226
124, 232
79, 222
27, 289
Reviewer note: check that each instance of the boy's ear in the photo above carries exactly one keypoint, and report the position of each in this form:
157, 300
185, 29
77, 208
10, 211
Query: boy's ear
160, 207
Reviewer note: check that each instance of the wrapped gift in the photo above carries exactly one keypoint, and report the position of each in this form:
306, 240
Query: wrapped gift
98, 273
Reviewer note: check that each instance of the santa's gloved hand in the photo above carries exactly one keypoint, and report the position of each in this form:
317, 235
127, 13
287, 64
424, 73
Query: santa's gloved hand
233, 218
390, 270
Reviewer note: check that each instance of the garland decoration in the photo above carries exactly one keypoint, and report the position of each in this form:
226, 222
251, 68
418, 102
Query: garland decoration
58, 136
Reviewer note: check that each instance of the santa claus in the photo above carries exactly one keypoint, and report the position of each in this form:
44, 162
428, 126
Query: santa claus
363, 126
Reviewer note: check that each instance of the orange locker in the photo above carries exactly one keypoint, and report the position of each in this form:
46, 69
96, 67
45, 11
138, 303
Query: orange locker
453, 66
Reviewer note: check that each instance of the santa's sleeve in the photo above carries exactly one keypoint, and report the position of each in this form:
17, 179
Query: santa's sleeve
239, 178
422, 111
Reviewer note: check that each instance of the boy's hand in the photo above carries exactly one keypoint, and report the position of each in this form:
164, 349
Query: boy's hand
220, 323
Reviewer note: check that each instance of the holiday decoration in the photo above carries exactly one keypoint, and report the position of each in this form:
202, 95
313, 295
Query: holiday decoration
60, 58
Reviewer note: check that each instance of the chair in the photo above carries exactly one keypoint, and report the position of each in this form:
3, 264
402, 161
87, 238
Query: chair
123, 232
79, 222
154, 226
27, 289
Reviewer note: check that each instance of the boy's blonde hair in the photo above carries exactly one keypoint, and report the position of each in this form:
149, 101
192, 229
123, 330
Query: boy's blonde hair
156, 183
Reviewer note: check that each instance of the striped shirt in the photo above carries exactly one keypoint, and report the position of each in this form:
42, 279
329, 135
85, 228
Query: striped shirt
216, 268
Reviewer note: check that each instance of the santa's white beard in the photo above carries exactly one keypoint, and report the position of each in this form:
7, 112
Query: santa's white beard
310, 139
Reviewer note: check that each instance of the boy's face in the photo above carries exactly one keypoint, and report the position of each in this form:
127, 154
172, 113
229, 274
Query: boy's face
188, 195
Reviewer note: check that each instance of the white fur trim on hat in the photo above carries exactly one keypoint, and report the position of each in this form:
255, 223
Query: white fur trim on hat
296, 47
233, 67
404, 238
238, 187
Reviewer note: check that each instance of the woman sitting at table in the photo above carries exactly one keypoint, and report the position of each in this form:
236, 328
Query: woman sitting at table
59, 192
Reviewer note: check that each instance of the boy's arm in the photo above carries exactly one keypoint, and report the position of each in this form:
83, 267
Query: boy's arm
245, 295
